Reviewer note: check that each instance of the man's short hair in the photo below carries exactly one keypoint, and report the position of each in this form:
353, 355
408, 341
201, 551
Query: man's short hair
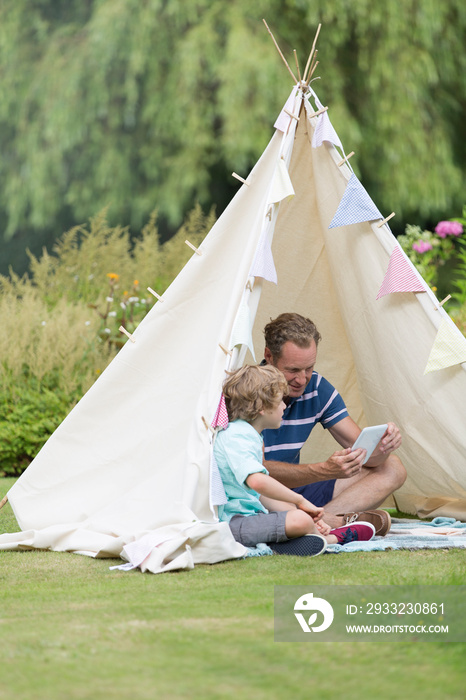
290, 327
252, 389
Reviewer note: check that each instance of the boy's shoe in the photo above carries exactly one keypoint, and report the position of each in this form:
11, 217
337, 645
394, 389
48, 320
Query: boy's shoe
305, 546
357, 531
380, 519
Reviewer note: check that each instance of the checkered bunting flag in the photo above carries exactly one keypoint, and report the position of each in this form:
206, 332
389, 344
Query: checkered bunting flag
221, 415
400, 277
324, 131
449, 348
355, 207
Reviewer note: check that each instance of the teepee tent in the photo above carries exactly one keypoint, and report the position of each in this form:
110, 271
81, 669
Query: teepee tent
130, 472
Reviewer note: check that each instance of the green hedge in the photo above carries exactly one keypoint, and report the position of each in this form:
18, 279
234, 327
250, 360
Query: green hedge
60, 322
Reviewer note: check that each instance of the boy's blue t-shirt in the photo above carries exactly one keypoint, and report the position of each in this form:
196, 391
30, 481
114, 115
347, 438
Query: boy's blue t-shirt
238, 453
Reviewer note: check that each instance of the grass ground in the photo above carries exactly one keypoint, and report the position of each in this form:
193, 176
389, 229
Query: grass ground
71, 628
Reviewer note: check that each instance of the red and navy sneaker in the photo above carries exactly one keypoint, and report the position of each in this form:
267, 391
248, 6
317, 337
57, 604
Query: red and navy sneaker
357, 531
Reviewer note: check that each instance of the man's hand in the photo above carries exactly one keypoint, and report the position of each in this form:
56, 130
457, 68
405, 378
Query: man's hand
344, 464
391, 440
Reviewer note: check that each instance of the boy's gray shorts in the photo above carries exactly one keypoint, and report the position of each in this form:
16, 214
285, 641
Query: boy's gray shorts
264, 527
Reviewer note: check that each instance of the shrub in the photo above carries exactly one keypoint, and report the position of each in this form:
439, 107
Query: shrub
60, 322
26, 422
430, 251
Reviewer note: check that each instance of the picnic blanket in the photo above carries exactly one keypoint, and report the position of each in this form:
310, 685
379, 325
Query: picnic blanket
439, 533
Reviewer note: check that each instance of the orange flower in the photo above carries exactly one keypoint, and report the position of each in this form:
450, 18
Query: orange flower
113, 276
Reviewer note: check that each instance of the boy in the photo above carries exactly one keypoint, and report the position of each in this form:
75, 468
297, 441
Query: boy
259, 508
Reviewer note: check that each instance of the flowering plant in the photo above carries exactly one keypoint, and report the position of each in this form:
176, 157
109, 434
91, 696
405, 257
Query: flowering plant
125, 309
429, 250
449, 228
460, 281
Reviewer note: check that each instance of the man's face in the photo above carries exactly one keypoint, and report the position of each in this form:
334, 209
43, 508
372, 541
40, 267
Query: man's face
297, 364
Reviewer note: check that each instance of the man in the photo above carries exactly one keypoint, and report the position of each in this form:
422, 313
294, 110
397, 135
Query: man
348, 490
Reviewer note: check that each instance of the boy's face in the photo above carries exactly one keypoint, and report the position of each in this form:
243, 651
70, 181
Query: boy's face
272, 417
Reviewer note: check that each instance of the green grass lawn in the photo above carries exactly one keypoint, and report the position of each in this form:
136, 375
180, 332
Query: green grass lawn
71, 628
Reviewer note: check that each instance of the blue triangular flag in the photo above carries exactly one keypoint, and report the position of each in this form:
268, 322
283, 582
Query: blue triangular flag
355, 206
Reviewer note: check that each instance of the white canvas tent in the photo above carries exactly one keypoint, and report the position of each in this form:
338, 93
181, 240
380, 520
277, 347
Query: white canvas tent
129, 473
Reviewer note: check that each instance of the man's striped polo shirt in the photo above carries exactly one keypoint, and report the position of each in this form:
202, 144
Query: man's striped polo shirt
320, 403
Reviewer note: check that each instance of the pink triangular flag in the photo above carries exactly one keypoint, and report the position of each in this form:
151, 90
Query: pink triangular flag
400, 277
221, 415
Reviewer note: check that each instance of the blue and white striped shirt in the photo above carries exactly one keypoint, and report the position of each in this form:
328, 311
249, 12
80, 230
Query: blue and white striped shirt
320, 403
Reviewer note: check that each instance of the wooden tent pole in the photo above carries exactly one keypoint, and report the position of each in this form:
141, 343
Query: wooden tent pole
3, 501
297, 64
311, 54
279, 51
313, 67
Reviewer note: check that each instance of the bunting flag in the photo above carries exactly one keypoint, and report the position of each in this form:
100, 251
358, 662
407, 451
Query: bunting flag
263, 264
356, 206
282, 187
218, 496
221, 415
449, 348
324, 131
242, 332
283, 120
400, 276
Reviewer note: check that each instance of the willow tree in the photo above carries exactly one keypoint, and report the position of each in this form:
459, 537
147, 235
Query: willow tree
139, 104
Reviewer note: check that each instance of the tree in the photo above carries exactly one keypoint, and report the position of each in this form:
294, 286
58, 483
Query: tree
139, 104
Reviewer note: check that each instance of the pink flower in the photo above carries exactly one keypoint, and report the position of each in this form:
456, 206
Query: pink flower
448, 228
422, 246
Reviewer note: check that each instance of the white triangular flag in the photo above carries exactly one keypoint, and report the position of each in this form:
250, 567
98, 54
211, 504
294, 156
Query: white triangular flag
283, 120
242, 331
263, 264
282, 187
449, 348
217, 490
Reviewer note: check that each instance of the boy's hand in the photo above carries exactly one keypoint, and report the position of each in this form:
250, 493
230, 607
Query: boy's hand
310, 508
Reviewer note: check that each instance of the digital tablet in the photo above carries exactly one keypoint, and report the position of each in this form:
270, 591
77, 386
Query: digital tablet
370, 438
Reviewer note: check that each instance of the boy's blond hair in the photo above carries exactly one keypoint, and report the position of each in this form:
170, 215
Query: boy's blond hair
252, 389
